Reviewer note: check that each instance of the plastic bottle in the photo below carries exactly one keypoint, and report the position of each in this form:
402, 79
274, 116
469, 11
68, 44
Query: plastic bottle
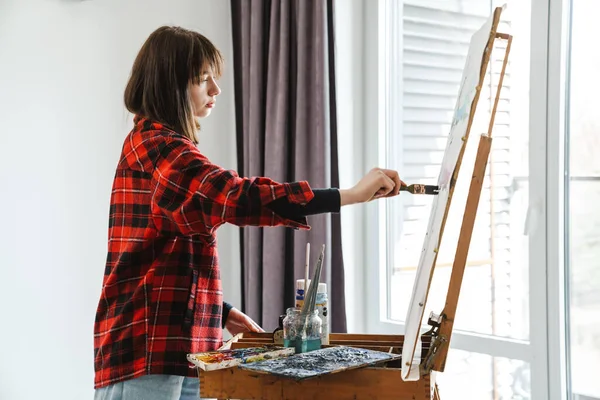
278, 332
300, 290
322, 306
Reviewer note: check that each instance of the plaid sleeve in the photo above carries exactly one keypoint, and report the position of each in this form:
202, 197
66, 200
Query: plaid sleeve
199, 196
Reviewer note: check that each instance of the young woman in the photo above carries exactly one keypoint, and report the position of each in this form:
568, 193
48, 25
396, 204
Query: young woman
161, 294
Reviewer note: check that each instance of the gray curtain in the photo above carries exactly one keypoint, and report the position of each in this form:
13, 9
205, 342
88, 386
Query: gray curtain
286, 130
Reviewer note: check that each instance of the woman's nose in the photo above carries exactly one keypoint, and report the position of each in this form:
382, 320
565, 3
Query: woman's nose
215, 90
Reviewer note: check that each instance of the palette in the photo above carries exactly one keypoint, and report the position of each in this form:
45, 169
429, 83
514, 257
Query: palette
221, 359
316, 363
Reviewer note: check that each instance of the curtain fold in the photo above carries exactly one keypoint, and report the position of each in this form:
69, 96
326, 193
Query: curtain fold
286, 129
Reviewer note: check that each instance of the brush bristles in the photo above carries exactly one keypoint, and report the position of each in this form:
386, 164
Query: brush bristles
310, 297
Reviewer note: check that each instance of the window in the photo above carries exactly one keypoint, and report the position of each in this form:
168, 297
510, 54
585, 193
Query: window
480, 376
421, 65
528, 309
583, 215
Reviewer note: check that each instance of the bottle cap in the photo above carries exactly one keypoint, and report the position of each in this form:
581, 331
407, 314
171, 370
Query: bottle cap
322, 288
300, 284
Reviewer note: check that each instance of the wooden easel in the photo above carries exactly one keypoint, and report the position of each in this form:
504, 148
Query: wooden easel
384, 382
442, 327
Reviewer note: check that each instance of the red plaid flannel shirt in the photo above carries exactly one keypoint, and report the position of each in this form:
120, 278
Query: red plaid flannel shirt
161, 295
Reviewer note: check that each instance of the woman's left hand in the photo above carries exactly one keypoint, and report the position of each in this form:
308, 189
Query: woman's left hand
238, 322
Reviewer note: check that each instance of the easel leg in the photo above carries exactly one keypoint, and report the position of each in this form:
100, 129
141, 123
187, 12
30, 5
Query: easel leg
436, 393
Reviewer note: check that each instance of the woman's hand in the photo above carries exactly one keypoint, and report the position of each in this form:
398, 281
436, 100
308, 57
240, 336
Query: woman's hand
238, 322
376, 184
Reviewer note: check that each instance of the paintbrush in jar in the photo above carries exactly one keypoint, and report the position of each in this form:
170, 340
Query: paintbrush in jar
310, 296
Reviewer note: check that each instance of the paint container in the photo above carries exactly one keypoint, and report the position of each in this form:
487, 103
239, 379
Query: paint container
300, 291
278, 332
293, 325
322, 307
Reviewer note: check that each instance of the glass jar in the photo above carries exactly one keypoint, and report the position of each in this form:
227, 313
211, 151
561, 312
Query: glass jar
293, 325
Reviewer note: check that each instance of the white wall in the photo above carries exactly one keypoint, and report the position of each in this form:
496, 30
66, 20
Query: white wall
63, 67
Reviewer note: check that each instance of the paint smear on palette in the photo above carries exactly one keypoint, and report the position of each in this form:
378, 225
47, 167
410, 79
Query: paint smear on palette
320, 362
221, 359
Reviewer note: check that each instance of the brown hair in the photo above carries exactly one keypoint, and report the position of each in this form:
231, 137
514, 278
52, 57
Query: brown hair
158, 87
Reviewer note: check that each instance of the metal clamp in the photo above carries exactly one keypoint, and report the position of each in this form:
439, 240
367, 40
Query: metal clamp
435, 321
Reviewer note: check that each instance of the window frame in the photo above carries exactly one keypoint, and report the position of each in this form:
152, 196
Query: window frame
549, 25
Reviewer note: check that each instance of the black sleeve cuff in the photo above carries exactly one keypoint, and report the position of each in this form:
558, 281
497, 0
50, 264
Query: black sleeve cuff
226, 308
324, 201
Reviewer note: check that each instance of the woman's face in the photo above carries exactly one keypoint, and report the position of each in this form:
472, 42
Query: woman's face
203, 94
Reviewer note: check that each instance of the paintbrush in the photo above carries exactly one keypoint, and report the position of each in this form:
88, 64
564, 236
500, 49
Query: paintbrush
310, 296
417, 188
306, 268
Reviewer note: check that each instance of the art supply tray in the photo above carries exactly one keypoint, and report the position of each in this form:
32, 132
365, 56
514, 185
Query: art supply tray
324, 361
250, 383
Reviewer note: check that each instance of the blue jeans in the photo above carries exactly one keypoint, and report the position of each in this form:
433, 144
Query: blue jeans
152, 387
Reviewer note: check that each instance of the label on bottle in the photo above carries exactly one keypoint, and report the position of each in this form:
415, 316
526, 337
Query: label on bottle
299, 298
324, 315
